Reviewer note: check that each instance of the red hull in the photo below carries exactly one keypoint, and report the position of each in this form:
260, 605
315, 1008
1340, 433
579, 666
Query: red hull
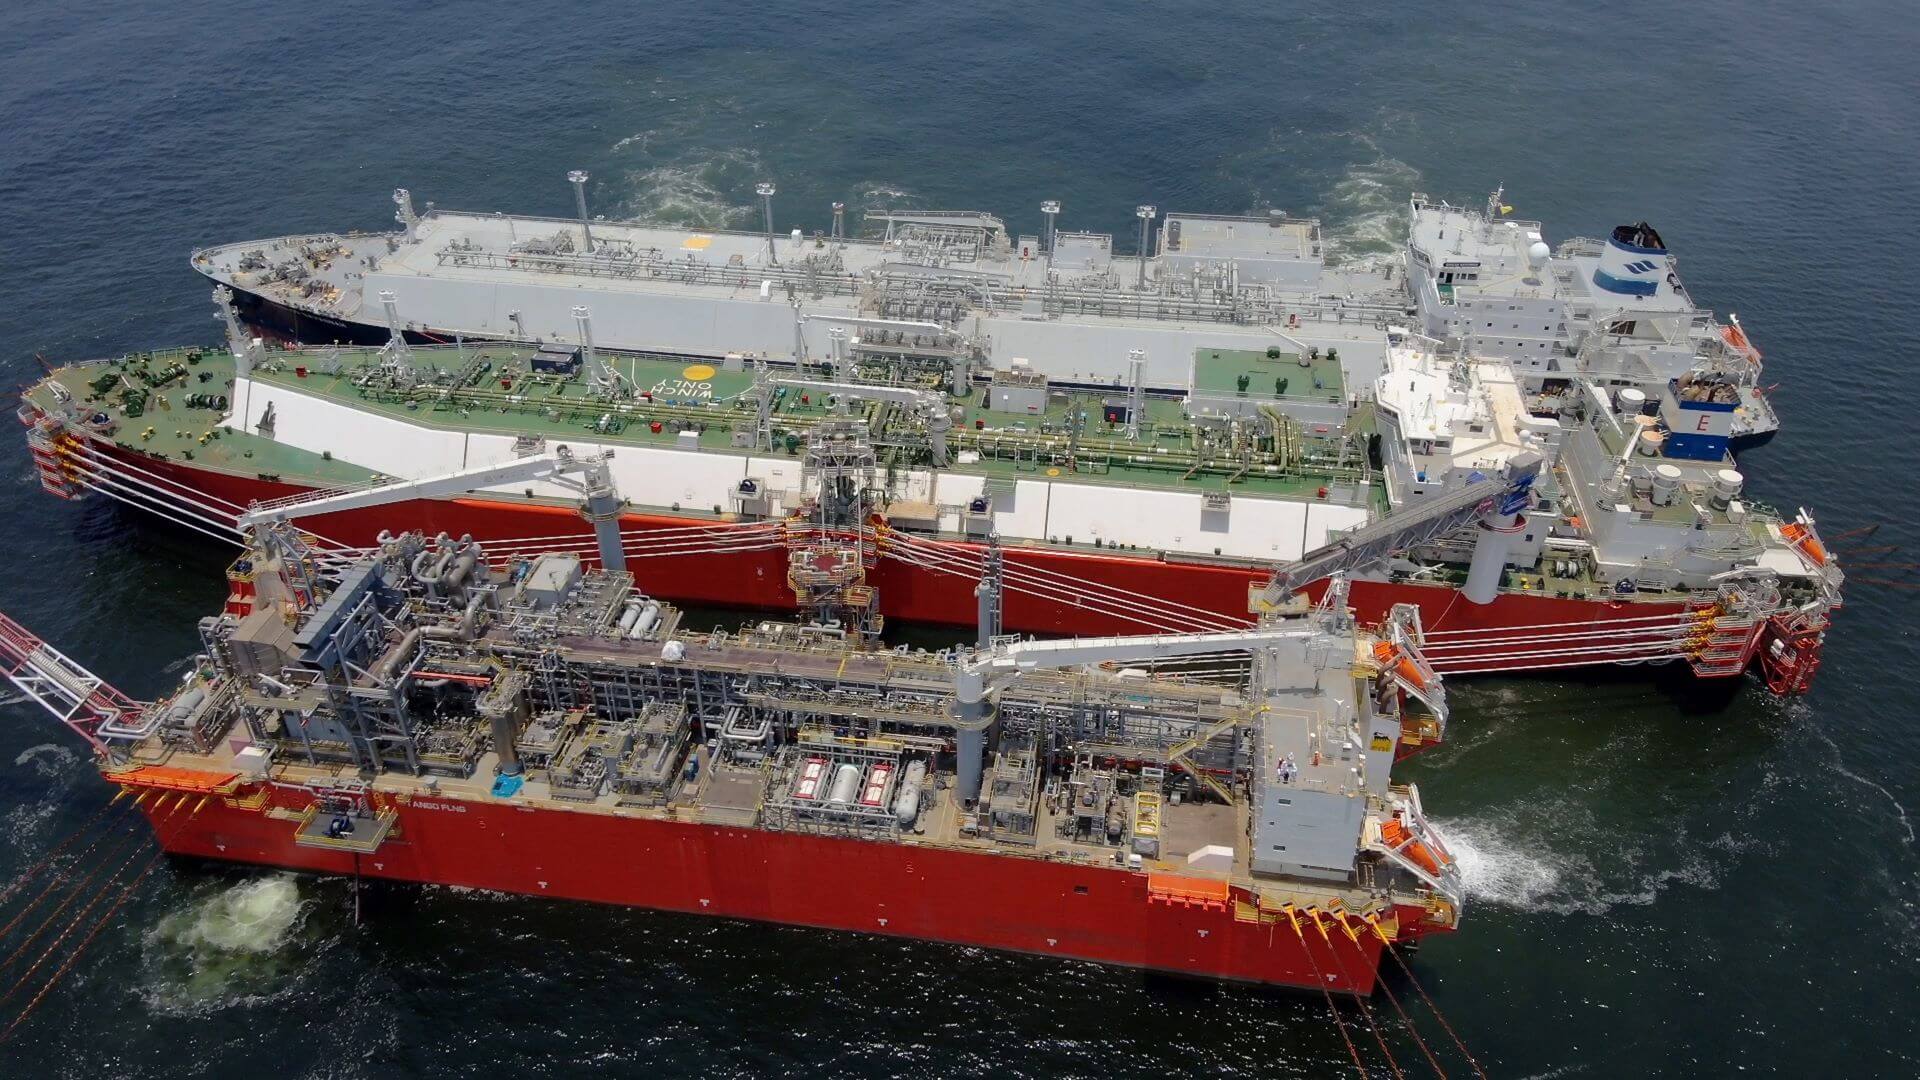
1058, 591
980, 898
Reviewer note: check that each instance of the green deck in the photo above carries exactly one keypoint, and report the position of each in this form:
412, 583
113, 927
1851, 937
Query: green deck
1219, 371
170, 429
490, 389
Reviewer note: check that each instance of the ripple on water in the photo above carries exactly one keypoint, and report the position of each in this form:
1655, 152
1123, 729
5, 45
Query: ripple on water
1581, 870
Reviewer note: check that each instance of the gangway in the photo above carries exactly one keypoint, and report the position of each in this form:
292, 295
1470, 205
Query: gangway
78, 698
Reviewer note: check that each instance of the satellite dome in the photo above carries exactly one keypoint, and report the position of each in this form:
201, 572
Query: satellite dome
1537, 254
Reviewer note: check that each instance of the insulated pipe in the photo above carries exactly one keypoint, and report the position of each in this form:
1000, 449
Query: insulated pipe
471, 616
1498, 526
603, 509
401, 653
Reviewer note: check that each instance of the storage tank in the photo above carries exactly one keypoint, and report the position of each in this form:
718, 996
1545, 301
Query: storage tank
1632, 401
906, 805
1726, 487
1666, 483
846, 786
646, 620
1651, 442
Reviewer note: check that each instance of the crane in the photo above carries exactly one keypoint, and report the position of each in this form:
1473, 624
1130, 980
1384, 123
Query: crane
588, 475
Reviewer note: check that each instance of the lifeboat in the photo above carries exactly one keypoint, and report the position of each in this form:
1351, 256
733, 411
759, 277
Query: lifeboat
1805, 542
1395, 835
1390, 658
1736, 340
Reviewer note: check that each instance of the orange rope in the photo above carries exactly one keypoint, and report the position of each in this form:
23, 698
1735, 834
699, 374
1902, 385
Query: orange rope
1365, 1011
47, 859
84, 911
120, 901
1437, 1014
1324, 992
92, 933
1405, 1020
127, 843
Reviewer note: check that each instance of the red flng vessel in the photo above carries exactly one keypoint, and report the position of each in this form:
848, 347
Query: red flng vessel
433, 711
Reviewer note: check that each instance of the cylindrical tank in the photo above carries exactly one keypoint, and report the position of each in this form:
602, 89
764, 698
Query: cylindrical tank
648, 618
183, 706
1726, 487
1116, 821
1632, 401
1666, 482
1651, 442
906, 805
628, 616
846, 786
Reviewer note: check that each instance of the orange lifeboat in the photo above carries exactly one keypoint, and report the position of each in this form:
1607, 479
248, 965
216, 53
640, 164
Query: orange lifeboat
1736, 340
1389, 657
1803, 540
1394, 834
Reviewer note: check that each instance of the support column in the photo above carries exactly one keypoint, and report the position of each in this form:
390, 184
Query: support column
972, 715
578, 178
1498, 527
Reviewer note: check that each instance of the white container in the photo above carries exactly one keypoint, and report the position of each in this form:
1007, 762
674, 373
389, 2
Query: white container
846, 786
1666, 483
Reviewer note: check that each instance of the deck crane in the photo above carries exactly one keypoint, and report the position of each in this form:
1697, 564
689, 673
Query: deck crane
1497, 502
588, 475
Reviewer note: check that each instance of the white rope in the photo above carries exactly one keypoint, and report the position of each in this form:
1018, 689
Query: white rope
131, 497
1445, 664
1013, 580
965, 552
1431, 634
1097, 597
1666, 632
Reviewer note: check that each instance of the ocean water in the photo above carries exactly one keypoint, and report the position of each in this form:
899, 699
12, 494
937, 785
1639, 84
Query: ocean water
1668, 879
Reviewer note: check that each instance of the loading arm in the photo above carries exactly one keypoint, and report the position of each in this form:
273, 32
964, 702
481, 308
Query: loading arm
1482, 497
929, 405
588, 475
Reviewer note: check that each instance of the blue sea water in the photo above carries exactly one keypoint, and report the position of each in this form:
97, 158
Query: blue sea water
1668, 880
